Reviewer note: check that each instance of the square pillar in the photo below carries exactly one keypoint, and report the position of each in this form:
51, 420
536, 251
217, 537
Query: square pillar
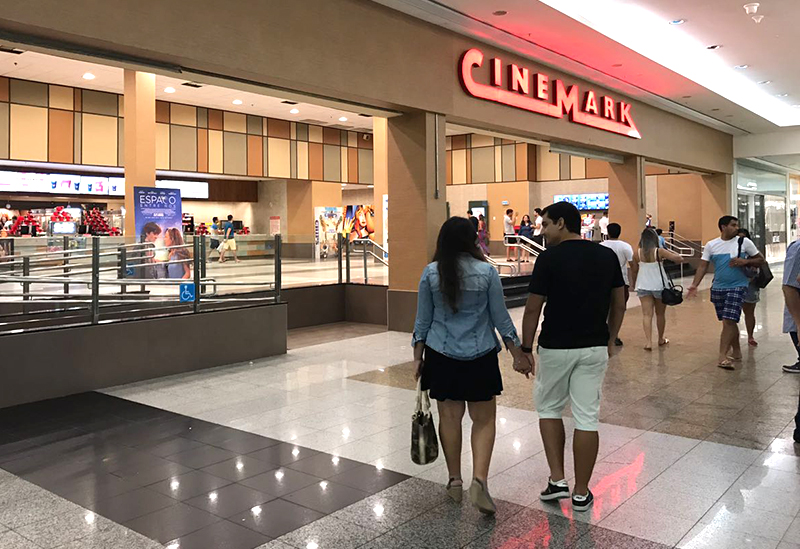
380, 177
417, 208
140, 138
715, 198
627, 197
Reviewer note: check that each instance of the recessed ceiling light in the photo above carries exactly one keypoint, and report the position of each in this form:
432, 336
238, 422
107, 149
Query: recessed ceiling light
781, 95
713, 47
237, 101
765, 82
295, 111
741, 67
169, 89
677, 22
342, 119
500, 13
88, 76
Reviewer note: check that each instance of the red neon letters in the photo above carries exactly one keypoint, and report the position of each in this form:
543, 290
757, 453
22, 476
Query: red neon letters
553, 99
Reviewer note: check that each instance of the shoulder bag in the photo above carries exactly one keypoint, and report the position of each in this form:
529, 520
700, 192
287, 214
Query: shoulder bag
671, 294
424, 444
761, 276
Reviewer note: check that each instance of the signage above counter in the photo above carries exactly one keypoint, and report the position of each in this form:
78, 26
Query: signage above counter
91, 185
521, 88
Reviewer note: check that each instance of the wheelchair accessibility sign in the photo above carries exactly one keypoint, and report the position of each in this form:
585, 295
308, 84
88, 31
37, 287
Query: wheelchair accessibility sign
187, 293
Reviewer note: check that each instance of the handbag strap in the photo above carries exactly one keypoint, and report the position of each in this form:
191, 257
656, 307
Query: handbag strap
423, 400
662, 271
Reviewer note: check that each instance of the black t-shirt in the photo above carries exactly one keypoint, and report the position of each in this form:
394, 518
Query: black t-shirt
474, 221
576, 277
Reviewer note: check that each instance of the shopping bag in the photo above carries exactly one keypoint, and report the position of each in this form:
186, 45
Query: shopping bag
424, 444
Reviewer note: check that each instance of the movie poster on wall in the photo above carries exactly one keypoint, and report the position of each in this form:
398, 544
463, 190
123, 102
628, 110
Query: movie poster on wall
158, 218
359, 222
327, 226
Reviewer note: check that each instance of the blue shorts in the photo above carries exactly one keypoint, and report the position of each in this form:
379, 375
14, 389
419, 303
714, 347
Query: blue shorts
728, 302
651, 293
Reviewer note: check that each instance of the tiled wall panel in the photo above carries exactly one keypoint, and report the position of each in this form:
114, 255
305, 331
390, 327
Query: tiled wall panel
214, 149
4, 131
331, 162
185, 115
315, 161
235, 122
365, 173
28, 132
120, 142
509, 163
96, 102
202, 150
61, 97
459, 166
23, 92
302, 159
162, 146
99, 139
60, 135
255, 154
234, 152
278, 157
482, 164
183, 148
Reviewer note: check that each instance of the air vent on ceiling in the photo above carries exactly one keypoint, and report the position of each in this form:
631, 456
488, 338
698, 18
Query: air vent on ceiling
192, 85
366, 115
15, 51
287, 102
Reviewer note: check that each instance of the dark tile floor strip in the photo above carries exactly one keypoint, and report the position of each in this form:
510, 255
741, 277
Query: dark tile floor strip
176, 478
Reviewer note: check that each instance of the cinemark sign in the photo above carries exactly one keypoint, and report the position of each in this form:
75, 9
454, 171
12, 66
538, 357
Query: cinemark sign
535, 92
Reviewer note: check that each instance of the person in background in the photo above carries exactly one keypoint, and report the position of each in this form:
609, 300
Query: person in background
625, 256
791, 312
730, 283
751, 298
229, 240
10, 223
649, 221
582, 317
603, 223
509, 222
537, 227
483, 235
459, 305
215, 243
526, 230
650, 282
473, 220
662, 242
177, 266
145, 255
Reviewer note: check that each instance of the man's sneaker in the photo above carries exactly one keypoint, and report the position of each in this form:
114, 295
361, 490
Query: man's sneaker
618, 342
792, 368
582, 503
555, 490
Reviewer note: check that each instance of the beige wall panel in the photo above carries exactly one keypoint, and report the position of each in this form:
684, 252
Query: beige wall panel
352, 139
183, 148
331, 163
185, 115
299, 211
547, 165
121, 106
120, 142
482, 165
59, 136
651, 197
366, 166
96, 102
99, 136
302, 160
509, 162
459, 167
479, 140
61, 97
162, 146
3, 131
28, 93
28, 133
517, 194
498, 164
235, 122
577, 167
315, 134
325, 195
234, 153
279, 156
214, 151
679, 200
459, 197
344, 163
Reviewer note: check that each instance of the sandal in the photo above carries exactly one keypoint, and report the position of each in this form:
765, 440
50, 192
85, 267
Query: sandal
455, 489
752, 342
665, 341
726, 365
648, 348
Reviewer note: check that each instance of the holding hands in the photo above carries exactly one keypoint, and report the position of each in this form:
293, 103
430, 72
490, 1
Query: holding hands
524, 363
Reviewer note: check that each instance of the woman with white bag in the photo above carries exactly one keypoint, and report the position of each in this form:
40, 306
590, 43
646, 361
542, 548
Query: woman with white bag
460, 303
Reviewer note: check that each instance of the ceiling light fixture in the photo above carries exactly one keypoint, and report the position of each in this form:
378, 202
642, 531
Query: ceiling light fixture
342, 119
713, 47
757, 18
765, 82
295, 111
500, 13
169, 89
88, 76
751, 8
237, 101
741, 67
781, 95
677, 22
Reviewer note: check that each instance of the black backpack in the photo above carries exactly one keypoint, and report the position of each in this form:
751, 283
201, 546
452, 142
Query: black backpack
763, 274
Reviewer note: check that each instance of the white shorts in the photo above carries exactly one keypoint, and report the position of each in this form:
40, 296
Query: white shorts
574, 375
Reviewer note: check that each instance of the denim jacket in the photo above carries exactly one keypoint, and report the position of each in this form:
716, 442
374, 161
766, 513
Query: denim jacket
469, 333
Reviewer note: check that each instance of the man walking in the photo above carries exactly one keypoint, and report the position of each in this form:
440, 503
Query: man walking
625, 256
473, 220
603, 223
730, 255
581, 322
509, 222
791, 295
229, 240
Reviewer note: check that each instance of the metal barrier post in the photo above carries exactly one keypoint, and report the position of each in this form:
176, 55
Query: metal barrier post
123, 267
66, 264
366, 275
278, 266
196, 265
203, 254
339, 258
26, 272
95, 310
347, 258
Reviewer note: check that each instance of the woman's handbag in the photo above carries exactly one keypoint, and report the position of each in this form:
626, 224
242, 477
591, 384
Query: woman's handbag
671, 294
424, 444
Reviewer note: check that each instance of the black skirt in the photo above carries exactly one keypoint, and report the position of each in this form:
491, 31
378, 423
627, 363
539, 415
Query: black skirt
476, 380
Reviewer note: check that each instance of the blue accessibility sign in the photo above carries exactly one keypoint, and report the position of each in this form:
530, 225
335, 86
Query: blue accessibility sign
129, 272
187, 293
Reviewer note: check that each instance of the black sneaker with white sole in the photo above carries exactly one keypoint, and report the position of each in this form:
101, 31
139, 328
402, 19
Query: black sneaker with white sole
555, 490
582, 503
792, 368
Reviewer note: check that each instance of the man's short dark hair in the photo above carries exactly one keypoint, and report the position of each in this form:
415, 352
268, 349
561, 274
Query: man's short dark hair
151, 227
538, 211
566, 211
614, 230
725, 220
509, 211
230, 217
469, 212
659, 231
605, 212
215, 218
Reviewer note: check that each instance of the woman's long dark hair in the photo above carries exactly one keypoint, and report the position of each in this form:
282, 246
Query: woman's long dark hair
457, 236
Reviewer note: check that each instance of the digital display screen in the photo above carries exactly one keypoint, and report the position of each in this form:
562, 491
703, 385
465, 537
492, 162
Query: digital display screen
64, 227
597, 201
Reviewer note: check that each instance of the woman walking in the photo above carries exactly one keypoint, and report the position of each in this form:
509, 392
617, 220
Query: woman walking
483, 235
650, 282
526, 230
751, 299
460, 303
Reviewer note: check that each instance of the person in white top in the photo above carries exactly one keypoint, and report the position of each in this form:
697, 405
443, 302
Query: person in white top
604, 228
538, 237
509, 222
650, 282
625, 255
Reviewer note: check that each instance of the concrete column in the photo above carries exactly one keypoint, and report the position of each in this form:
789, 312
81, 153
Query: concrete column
626, 195
416, 170
715, 198
380, 179
140, 138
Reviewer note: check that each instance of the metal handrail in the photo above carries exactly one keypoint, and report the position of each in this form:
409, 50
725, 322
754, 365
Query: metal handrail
365, 242
683, 240
498, 265
680, 250
528, 245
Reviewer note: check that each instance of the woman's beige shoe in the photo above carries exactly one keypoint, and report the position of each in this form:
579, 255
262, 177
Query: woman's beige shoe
455, 489
479, 494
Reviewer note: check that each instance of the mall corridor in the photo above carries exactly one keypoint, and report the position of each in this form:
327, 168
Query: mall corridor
310, 450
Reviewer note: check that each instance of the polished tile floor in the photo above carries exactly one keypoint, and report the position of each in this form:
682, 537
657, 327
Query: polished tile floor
123, 469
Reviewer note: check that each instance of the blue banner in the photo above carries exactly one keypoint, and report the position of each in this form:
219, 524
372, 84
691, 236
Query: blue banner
158, 218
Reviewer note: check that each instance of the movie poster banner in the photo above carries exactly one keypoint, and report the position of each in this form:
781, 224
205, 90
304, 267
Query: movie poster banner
158, 219
327, 226
359, 222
